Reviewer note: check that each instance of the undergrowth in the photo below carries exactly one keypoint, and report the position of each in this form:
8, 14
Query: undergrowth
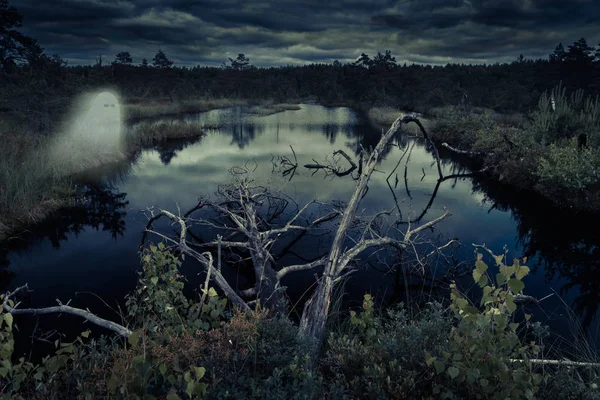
186, 348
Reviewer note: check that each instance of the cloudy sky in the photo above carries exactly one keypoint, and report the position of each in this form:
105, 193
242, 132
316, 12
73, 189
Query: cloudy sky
281, 32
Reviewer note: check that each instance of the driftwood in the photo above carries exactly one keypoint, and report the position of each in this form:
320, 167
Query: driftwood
62, 309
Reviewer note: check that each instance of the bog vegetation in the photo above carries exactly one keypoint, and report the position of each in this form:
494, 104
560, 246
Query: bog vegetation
528, 123
200, 347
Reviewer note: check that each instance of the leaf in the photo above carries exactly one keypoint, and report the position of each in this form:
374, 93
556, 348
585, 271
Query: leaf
162, 369
510, 303
9, 319
522, 271
200, 372
429, 359
479, 256
516, 285
453, 372
439, 366
499, 259
212, 292
500, 278
154, 280
134, 338
161, 246
173, 396
112, 384
483, 281
86, 334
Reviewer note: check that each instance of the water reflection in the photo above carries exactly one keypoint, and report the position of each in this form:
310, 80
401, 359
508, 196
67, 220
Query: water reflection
172, 175
102, 209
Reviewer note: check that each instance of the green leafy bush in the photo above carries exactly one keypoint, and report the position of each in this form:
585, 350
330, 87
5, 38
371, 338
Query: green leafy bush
485, 357
382, 356
565, 169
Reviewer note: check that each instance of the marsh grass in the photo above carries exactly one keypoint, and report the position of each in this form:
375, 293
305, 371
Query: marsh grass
148, 133
512, 119
29, 191
385, 116
137, 111
36, 174
264, 110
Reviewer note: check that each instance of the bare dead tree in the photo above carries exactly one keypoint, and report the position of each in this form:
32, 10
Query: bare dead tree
316, 310
245, 227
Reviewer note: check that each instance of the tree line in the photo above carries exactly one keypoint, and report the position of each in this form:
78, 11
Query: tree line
369, 81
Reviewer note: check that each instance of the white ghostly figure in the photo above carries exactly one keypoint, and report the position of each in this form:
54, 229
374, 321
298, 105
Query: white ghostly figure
101, 124
103, 119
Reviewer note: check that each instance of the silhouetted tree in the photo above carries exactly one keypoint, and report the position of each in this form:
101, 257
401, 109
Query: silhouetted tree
240, 63
144, 63
559, 54
337, 64
363, 61
384, 60
160, 60
123, 58
580, 52
15, 48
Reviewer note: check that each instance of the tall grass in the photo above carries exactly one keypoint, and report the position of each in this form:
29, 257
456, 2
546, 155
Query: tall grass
29, 190
135, 111
270, 109
147, 133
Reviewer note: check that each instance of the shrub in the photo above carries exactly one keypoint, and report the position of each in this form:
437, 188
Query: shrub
460, 128
566, 170
479, 361
569, 117
382, 357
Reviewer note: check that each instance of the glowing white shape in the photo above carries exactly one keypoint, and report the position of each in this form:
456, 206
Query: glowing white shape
103, 119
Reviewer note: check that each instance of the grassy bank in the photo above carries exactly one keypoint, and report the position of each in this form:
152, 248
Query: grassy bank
28, 191
136, 109
542, 153
36, 169
270, 109
148, 133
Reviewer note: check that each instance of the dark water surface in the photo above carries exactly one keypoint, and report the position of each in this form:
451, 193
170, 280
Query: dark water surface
95, 248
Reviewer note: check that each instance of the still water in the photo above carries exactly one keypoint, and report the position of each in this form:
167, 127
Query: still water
91, 252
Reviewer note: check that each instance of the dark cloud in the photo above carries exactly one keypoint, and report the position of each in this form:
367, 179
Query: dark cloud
302, 31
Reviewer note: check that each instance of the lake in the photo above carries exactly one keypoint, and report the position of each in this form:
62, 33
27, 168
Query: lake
92, 252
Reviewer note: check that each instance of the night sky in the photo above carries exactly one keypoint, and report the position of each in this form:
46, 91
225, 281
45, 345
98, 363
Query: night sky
282, 32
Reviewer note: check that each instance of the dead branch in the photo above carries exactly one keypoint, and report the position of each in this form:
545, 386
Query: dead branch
314, 316
333, 169
556, 362
60, 309
465, 152
184, 248
293, 268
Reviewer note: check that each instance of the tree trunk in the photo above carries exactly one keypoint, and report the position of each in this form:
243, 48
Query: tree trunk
314, 315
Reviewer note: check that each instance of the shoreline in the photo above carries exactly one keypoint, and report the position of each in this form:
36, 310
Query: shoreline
174, 130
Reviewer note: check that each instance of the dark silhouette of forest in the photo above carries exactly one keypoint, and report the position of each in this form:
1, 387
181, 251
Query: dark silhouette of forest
34, 82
